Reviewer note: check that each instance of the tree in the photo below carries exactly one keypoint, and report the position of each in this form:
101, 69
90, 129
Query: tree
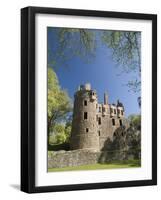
71, 42
125, 47
133, 135
58, 134
125, 141
68, 128
59, 104
135, 121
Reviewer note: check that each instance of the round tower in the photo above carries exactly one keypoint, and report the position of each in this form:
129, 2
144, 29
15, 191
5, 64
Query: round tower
84, 126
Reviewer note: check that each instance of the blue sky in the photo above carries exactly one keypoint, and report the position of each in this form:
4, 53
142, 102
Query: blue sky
101, 72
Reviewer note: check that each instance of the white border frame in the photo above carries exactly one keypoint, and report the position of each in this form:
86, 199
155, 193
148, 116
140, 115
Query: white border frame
42, 178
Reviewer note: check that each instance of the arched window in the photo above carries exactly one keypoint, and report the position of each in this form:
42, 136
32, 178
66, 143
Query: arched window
113, 122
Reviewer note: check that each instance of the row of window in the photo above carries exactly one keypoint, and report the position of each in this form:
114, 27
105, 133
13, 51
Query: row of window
99, 119
112, 110
113, 122
87, 130
99, 132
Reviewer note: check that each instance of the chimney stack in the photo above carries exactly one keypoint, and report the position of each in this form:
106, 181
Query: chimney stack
105, 98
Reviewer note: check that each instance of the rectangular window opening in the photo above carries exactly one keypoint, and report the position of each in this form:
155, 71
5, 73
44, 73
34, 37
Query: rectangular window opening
113, 122
99, 120
99, 109
99, 133
85, 103
87, 130
120, 122
85, 115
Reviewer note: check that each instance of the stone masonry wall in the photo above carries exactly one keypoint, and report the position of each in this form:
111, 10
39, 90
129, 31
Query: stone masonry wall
80, 157
72, 158
84, 131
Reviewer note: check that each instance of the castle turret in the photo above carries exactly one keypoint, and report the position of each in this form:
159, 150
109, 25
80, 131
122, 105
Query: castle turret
84, 127
120, 109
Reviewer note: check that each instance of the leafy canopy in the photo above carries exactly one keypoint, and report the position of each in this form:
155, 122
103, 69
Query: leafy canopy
125, 47
59, 103
60, 134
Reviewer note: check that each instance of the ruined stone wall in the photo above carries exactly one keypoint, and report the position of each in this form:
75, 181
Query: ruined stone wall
72, 158
60, 159
110, 121
101, 123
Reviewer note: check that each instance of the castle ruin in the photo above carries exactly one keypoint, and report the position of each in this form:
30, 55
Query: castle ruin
94, 122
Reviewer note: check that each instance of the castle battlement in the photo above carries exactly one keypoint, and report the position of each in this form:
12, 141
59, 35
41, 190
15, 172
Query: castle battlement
94, 122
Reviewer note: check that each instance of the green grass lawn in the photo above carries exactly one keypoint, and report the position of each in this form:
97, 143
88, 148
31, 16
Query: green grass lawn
113, 165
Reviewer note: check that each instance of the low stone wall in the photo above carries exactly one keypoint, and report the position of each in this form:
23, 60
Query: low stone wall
59, 159
72, 158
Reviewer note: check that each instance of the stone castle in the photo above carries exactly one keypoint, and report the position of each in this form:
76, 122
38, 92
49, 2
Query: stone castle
94, 122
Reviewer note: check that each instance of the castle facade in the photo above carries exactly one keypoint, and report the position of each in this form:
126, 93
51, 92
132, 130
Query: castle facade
94, 122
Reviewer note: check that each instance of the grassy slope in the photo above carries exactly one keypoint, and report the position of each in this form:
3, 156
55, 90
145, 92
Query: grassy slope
114, 165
